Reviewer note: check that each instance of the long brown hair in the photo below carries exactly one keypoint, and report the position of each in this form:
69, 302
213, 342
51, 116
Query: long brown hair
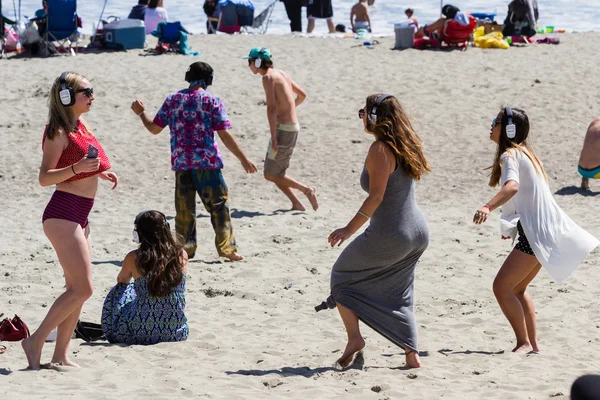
394, 129
159, 257
519, 142
61, 118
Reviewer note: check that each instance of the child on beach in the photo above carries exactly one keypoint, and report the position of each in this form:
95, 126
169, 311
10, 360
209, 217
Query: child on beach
359, 16
283, 124
193, 116
409, 14
546, 235
150, 309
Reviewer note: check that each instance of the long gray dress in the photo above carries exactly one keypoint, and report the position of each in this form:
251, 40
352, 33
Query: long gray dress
374, 275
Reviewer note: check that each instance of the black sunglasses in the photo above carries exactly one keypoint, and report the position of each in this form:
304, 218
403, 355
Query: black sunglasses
361, 113
87, 92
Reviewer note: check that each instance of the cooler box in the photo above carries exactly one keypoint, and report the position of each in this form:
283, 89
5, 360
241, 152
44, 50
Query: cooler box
405, 35
125, 33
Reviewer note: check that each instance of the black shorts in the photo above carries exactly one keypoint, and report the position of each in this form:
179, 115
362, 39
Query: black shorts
522, 242
319, 9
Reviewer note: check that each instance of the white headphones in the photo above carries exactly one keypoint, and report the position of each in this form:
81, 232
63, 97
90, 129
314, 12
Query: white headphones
66, 94
258, 61
377, 103
511, 128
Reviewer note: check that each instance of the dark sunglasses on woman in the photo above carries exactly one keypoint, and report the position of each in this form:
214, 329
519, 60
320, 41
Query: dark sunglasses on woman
361, 113
87, 92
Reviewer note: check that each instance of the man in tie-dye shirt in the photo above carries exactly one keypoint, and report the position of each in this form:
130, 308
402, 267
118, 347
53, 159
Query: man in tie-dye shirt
193, 116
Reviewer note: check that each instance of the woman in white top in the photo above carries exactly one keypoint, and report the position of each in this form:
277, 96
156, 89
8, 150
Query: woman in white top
154, 14
547, 236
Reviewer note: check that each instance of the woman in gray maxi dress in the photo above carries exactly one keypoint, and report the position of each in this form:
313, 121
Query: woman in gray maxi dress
372, 280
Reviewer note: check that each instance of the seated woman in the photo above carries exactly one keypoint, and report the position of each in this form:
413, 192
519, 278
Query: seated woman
589, 159
154, 14
521, 18
150, 309
449, 12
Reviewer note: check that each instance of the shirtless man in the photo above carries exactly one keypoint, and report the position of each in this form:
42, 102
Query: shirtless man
359, 16
589, 160
283, 124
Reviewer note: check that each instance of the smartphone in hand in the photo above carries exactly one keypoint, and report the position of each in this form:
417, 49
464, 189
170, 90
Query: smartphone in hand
92, 152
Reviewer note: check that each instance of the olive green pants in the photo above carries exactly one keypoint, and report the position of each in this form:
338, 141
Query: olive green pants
211, 188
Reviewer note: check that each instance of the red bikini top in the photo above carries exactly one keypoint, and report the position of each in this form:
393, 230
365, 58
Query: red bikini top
77, 149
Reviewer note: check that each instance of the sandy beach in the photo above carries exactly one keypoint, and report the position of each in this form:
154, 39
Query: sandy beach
253, 330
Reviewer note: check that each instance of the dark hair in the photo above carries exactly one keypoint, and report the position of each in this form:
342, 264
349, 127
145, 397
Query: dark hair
265, 64
340, 28
394, 129
153, 3
449, 11
200, 71
143, 2
409, 11
521, 122
159, 256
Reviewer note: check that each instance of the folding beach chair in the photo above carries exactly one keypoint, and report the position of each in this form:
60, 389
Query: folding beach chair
261, 21
61, 24
168, 35
457, 35
3, 22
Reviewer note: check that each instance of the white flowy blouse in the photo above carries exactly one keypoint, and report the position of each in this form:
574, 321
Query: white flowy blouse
558, 243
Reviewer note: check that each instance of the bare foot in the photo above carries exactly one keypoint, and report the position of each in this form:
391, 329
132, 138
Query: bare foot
65, 363
585, 183
234, 257
32, 352
523, 348
298, 207
311, 194
352, 348
412, 359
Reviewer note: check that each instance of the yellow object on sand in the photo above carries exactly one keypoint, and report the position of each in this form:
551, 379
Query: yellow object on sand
493, 40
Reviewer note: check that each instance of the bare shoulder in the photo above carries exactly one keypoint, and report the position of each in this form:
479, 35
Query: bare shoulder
130, 258
379, 147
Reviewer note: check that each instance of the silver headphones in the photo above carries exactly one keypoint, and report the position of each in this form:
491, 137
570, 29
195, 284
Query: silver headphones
66, 94
258, 61
511, 128
377, 103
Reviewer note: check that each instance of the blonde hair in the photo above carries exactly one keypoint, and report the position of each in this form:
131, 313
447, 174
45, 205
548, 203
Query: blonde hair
394, 129
519, 142
61, 118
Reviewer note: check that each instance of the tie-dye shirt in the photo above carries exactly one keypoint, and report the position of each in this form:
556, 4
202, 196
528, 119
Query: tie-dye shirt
193, 117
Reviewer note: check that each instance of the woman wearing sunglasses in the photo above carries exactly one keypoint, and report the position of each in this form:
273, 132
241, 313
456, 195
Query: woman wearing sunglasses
73, 160
546, 235
372, 280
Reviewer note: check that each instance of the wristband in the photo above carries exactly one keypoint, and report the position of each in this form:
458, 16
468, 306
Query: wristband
363, 214
73, 169
489, 207
140, 114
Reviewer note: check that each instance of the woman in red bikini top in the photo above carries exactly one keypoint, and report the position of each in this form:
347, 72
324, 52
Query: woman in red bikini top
73, 160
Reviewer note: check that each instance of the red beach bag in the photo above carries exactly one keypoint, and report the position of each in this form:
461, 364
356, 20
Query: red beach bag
13, 330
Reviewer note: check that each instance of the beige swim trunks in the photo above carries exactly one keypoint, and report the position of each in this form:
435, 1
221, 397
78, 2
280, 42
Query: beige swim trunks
277, 162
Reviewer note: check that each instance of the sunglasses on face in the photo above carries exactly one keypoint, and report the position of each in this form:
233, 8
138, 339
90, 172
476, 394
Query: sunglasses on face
495, 122
361, 113
87, 92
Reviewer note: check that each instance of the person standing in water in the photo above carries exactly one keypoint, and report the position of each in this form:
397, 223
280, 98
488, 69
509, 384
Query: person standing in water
283, 125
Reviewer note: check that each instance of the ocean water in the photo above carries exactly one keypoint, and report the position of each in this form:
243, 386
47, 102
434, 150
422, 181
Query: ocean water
572, 15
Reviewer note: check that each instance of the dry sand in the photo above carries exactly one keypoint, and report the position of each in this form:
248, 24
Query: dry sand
259, 336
